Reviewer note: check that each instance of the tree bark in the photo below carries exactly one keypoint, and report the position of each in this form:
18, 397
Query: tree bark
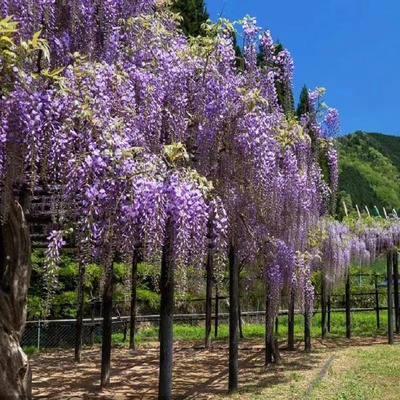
15, 269
79, 313
133, 301
107, 327
272, 353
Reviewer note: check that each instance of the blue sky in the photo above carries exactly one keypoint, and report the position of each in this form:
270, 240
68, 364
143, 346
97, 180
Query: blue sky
350, 47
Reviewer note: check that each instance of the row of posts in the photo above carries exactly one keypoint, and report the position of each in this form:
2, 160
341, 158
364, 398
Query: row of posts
392, 301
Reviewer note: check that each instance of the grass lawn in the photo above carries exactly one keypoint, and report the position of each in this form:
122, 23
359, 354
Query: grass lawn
363, 325
355, 373
362, 373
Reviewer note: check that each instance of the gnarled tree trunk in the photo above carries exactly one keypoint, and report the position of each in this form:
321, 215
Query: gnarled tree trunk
15, 269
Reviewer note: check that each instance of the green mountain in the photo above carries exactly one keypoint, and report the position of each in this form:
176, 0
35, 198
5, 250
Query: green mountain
369, 172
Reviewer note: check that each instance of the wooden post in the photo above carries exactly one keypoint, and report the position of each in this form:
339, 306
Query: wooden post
307, 330
329, 314
291, 321
132, 322
79, 313
378, 322
107, 327
240, 320
396, 290
216, 312
233, 320
307, 323
209, 282
323, 306
268, 331
348, 307
390, 296
125, 329
209, 271
166, 316
92, 327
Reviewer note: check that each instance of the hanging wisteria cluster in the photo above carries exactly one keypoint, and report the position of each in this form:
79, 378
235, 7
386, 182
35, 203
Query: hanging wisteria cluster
157, 143
144, 126
352, 242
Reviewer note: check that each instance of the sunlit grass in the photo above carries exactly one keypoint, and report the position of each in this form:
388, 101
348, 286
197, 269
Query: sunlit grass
362, 373
363, 324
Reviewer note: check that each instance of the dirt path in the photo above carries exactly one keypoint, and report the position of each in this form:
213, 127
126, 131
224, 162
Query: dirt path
197, 374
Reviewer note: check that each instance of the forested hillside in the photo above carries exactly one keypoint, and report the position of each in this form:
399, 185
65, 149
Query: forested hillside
369, 168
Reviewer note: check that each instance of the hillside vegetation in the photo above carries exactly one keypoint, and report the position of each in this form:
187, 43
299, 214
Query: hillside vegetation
369, 171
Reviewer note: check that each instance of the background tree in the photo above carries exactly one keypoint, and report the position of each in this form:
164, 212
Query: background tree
284, 89
194, 14
304, 103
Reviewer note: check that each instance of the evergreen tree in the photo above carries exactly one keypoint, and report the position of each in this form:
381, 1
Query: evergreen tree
194, 14
304, 105
238, 53
284, 91
319, 152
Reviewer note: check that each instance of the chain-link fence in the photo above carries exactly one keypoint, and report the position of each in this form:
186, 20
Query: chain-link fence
61, 333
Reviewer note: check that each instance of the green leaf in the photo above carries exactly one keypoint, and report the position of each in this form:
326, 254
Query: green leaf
10, 53
35, 39
174, 152
7, 40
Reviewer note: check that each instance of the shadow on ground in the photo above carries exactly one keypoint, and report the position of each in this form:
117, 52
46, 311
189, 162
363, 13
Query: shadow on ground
197, 373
